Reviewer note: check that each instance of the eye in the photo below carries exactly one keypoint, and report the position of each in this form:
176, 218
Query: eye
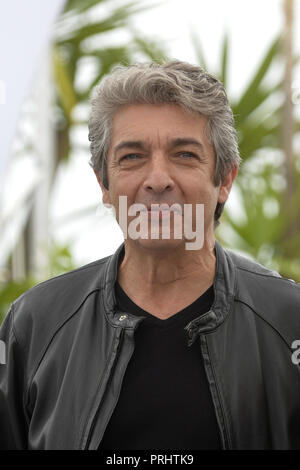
187, 155
130, 156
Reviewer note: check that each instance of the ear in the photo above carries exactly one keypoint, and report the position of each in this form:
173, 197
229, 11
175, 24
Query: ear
225, 186
105, 192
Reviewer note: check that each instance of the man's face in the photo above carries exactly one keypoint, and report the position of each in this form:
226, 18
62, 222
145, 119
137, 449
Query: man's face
161, 154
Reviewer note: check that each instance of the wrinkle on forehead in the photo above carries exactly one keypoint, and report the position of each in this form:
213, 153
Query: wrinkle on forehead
155, 126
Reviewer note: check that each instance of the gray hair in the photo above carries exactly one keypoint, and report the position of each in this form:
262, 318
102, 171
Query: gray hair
175, 82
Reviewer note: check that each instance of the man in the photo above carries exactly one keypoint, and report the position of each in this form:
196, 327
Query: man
172, 342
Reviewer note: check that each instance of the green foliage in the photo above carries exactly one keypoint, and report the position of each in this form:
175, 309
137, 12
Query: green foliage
10, 291
61, 261
255, 93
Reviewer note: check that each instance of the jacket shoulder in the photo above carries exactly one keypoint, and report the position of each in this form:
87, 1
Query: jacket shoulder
270, 296
72, 287
249, 265
40, 311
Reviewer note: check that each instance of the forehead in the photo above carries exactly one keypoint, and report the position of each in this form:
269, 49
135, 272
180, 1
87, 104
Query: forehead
151, 122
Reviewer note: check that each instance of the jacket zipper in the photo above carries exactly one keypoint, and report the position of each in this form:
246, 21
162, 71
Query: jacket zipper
117, 395
221, 417
119, 339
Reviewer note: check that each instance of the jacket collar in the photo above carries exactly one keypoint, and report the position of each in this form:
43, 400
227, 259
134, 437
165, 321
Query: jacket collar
224, 287
224, 291
113, 315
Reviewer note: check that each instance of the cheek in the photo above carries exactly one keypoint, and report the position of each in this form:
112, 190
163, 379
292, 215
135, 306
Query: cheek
210, 199
207, 193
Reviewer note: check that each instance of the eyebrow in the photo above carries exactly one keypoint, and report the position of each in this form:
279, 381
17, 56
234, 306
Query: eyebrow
182, 141
178, 142
137, 144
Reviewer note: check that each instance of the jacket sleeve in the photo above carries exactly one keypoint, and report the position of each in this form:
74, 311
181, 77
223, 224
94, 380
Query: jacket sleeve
13, 422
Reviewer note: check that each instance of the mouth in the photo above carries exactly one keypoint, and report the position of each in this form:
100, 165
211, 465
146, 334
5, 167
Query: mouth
163, 207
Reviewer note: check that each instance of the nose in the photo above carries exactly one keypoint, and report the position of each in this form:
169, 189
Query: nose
158, 177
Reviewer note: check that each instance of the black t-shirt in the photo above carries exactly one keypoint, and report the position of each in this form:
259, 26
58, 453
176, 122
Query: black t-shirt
165, 402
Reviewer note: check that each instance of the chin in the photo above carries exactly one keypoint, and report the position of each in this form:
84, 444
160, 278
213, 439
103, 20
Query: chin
162, 245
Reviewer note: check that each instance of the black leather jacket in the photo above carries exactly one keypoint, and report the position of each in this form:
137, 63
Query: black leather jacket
67, 348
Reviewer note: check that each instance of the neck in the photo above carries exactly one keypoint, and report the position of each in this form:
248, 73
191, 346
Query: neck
147, 273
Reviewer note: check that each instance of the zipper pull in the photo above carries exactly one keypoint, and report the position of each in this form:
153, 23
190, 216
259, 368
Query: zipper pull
192, 333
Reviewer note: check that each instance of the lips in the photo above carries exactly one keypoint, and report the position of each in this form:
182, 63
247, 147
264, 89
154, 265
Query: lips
162, 207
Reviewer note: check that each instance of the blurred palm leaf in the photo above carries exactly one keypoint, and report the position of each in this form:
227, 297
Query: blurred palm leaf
224, 60
198, 50
255, 95
78, 6
79, 39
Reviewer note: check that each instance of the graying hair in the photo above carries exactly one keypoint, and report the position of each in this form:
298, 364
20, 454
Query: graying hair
175, 82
